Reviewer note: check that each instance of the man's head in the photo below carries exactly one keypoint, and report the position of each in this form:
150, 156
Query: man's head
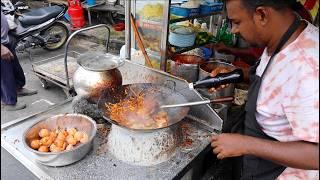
256, 20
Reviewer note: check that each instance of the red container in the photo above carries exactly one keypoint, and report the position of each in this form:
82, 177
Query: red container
119, 27
309, 4
75, 12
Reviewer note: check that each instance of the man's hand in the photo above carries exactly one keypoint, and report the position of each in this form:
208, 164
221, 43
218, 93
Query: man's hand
296, 154
228, 145
221, 48
6, 53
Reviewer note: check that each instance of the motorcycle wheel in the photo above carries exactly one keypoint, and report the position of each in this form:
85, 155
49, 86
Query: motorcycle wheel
58, 33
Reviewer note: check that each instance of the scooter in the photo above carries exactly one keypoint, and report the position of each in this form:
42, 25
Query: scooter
42, 27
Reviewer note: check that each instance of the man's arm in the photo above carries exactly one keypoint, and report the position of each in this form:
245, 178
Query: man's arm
249, 55
6, 53
298, 154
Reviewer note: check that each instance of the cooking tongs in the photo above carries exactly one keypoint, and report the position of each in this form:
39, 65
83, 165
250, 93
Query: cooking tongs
218, 100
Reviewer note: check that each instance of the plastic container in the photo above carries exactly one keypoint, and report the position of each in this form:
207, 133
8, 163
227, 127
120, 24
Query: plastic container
91, 2
119, 26
182, 36
215, 7
184, 12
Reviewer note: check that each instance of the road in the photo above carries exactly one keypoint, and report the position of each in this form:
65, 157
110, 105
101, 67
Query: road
11, 169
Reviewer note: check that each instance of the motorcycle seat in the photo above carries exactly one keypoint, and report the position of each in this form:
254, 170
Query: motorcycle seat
41, 15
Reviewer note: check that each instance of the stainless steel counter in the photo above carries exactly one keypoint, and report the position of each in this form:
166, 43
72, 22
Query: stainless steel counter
99, 164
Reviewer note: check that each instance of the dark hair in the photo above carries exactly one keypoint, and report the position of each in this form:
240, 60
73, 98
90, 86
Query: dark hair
275, 4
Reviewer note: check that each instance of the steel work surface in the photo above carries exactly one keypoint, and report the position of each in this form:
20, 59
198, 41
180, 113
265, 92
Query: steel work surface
99, 164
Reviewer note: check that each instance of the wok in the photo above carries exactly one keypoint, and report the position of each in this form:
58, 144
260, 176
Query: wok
162, 94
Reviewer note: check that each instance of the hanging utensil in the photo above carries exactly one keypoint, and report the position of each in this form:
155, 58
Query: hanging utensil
139, 41
218, 100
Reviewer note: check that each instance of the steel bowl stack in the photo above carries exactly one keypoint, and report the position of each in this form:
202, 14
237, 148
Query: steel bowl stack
66, 157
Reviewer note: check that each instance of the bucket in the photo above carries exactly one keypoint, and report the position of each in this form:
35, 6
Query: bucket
181, 36
91, 2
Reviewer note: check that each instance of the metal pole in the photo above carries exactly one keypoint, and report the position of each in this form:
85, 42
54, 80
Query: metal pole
128, 29
164, 35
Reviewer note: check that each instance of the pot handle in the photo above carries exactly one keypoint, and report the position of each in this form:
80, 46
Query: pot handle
234, 76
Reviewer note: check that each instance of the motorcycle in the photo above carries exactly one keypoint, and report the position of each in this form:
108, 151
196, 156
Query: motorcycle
43, 27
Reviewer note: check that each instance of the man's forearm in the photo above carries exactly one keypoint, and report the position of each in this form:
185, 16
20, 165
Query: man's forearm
245, 54
298, 154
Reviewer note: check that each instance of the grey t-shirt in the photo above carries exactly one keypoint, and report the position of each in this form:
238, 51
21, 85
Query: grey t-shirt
4, 29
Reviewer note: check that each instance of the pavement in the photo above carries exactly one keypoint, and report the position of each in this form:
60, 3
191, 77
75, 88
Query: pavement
11, 169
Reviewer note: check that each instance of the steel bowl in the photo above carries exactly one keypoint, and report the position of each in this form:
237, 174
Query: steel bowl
204, 71
66, 157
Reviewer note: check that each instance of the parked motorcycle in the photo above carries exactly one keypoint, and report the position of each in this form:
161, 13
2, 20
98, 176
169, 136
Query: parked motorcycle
42, 27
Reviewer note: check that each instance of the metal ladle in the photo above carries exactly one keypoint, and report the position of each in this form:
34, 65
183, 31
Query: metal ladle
218, 100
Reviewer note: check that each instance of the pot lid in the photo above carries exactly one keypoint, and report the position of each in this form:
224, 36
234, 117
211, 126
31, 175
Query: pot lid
99, 61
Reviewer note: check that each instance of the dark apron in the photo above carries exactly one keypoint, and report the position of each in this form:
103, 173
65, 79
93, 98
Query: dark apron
255, 168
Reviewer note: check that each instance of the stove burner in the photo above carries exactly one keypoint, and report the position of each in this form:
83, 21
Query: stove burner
143, 148
82, 105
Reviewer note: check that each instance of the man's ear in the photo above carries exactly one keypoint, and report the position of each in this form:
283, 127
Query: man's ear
262, 16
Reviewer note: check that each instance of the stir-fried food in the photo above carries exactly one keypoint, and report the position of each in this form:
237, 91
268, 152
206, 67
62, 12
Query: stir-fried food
138, 112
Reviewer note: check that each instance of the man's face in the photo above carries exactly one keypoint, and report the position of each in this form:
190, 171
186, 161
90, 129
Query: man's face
243, 23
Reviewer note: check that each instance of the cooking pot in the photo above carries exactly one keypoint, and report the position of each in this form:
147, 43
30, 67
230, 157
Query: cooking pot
205, 70
186, 66
96, 72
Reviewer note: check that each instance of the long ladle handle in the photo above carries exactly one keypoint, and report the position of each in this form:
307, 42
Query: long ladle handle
222, 99
139, 41
218, 100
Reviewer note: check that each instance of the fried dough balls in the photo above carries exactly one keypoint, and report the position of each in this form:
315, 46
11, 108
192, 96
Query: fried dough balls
54, 148
72, 131
58, 140
46, 141
84, 138
69, 147
78, 135
35, 144
71, 140
44, 133
43, 149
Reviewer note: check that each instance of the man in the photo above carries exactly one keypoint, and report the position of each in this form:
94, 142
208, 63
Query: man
251, 54
281, 128
12, 76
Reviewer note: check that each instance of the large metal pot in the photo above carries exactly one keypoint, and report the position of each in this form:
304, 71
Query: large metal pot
97, 71
78, 121
186, 66
204, 72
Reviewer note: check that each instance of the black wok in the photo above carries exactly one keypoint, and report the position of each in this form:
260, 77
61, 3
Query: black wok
161, 93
